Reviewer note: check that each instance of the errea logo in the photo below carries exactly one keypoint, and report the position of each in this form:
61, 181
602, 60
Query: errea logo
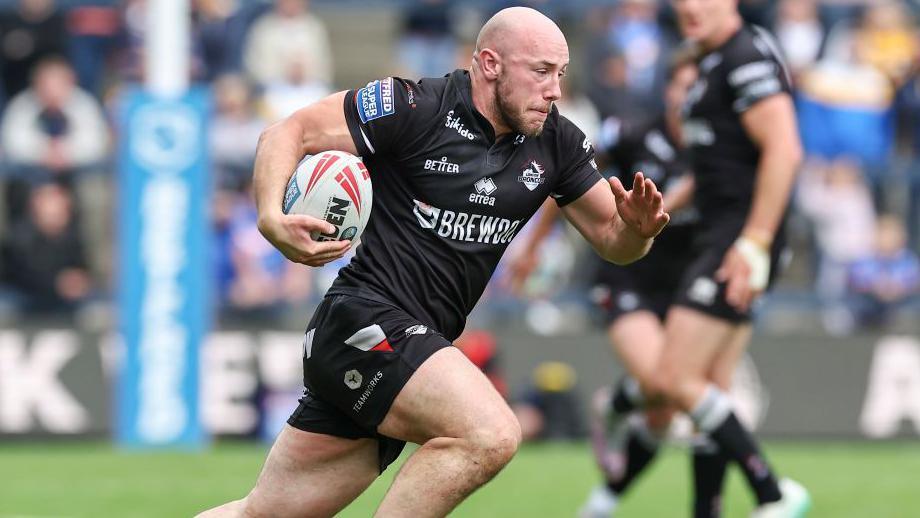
484, 188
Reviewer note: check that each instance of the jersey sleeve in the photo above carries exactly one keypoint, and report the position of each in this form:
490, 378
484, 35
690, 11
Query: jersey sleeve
756, 71
380, 114
577, 160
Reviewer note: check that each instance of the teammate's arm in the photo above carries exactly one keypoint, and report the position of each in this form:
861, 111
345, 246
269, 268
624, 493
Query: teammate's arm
526, 261
619, 224
680, 196
771, 125
318, 127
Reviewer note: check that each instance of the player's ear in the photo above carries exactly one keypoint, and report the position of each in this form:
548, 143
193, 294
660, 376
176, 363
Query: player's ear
490, 63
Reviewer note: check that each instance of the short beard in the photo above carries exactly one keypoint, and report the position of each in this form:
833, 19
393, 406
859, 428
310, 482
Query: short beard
506, 113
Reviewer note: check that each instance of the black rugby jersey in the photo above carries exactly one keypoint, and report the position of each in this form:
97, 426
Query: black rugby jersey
744, 70
647, 146
448, 196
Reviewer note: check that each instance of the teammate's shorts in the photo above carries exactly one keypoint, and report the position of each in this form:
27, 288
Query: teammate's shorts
646, 285
358, 355
698, 288
618, 299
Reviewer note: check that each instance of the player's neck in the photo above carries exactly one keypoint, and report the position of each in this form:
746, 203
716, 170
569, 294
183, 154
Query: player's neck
483, 101
723, 34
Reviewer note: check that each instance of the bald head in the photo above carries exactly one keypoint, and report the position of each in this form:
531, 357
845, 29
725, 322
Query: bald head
520, 59
517, 28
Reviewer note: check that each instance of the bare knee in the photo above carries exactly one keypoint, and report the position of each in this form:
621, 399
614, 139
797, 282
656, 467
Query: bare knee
500, 442
489, 447
678, 387
659, 418
492, 448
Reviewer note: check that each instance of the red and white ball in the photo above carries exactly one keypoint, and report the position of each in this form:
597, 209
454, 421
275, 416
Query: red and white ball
333, 186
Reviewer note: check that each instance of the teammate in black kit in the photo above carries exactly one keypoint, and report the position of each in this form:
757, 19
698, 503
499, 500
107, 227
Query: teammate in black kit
458, 166
744, 149
636, 297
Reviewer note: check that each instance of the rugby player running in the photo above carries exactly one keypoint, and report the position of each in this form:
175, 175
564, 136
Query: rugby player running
379, 367
740, 131
635, 298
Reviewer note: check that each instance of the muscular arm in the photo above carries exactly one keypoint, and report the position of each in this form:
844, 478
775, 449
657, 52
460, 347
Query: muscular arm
315, 128
619, 224
318, 127
771, 125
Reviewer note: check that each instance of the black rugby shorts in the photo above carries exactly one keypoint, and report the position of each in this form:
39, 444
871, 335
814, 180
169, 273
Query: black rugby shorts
616, 299
648, 285
358, 355
698, 288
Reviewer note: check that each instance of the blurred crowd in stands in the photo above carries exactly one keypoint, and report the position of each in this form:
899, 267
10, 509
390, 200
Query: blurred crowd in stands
855, 214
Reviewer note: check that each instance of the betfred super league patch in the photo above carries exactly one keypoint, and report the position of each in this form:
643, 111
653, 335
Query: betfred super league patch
375, 100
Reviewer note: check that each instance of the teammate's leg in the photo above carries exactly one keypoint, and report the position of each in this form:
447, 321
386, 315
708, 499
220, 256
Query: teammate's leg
466, 430
307, 475
637, 338
709, 462
693, 342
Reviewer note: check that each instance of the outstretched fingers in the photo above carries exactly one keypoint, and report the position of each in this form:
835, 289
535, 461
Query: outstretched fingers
619, 192
639, 184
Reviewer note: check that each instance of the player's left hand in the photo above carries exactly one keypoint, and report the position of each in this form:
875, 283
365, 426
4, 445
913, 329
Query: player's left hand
745, 269
642, 208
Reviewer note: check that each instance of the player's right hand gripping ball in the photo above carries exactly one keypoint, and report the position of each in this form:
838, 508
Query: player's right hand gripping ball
333, 186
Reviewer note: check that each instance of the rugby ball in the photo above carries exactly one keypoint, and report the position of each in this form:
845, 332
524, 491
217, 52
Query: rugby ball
333, 186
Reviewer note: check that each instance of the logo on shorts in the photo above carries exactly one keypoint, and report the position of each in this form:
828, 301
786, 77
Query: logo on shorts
532, 176
353, 379
418, 329
703, 291
371, 385
628, 301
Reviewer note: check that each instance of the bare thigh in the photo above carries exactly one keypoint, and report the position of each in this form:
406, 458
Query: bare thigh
638, 339
693, 340
725, 364
447, 397
312, 475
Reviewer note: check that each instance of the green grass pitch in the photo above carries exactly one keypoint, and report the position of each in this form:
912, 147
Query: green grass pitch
877, 480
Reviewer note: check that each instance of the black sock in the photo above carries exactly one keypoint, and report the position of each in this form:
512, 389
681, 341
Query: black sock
709, 465
714, 415
627, 396
641, 447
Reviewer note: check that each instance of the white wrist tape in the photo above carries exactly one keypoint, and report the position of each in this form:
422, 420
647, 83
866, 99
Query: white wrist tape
758, 260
